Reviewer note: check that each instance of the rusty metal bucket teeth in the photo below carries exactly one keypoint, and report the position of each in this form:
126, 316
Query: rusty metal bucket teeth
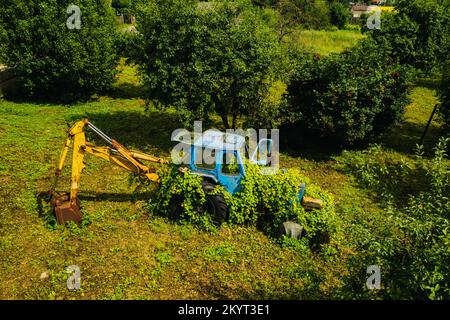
65, 210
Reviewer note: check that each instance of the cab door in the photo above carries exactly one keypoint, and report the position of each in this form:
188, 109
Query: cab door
230, 170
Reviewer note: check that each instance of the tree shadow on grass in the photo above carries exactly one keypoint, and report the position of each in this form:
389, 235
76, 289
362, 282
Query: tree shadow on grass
429, 83
309, 145
404, 136
401, 138
148, 132
15, 92
127, 90
54, 100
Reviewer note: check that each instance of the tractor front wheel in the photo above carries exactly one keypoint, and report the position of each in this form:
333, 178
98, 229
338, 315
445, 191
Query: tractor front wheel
215, 204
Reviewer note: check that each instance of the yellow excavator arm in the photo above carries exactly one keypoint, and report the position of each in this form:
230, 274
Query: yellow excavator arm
67, 207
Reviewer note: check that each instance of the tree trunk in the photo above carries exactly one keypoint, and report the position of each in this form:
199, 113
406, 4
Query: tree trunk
221, 110
225, 121
233, 123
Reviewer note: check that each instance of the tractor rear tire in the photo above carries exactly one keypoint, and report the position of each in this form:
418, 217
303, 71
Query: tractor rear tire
215, 204
175, 208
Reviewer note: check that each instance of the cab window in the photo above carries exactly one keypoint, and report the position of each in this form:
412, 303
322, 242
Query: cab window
208, 159
230, 164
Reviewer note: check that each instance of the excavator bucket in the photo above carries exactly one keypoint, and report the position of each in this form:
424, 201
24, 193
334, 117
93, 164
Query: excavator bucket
65, 210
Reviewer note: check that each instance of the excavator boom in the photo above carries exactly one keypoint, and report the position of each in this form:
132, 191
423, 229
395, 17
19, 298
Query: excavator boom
67, 207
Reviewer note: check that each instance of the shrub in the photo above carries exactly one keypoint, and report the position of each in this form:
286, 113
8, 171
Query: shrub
445, 97
184, 191
48, 58
350, 97
417, 35
265, 201
317, 14
121, 4
416, 194
208, 58
264, 3
339, 14
270, 200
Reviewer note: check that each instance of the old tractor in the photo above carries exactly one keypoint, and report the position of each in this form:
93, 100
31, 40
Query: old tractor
225, 168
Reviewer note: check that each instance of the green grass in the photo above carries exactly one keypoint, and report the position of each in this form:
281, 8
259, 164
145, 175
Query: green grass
404, 137
325, 42
126, 253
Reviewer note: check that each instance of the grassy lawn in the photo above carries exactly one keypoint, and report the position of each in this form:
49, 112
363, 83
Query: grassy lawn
125, 252
325, 42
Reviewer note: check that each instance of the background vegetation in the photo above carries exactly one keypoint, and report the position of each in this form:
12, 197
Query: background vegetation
220, 58
51, 61
349, 97
445, 96
416, 34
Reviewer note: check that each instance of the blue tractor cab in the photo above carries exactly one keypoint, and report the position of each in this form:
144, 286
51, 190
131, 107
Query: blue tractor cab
218, 157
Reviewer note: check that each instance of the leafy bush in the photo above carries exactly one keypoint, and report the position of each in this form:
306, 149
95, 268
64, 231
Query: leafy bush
416, 194
314, 14
265, 201
270, 200
203, 58
350, 97
417, 35
48, 58
292, 14
340, 15
445, 97
183, 191
264, 3
120, 4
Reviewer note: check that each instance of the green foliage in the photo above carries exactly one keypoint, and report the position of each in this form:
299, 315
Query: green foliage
316, 14
182, 191
270, 200
120, 4
290, 15
265, 201
127, 43
210, 57
340, 14
350, 97
417, 195
445, 97
264, 3
312, 14
220, 252
164, 258
48, 58
417, 35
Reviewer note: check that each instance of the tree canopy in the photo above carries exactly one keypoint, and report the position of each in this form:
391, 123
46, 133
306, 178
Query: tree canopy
208, 58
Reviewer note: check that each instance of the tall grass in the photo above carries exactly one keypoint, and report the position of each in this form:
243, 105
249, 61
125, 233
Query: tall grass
325, 42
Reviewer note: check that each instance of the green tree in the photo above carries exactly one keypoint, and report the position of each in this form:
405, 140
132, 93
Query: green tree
339, 14
349, 97
210, 57
264, 3
417, 35
308, 14
51, 60
120, 4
